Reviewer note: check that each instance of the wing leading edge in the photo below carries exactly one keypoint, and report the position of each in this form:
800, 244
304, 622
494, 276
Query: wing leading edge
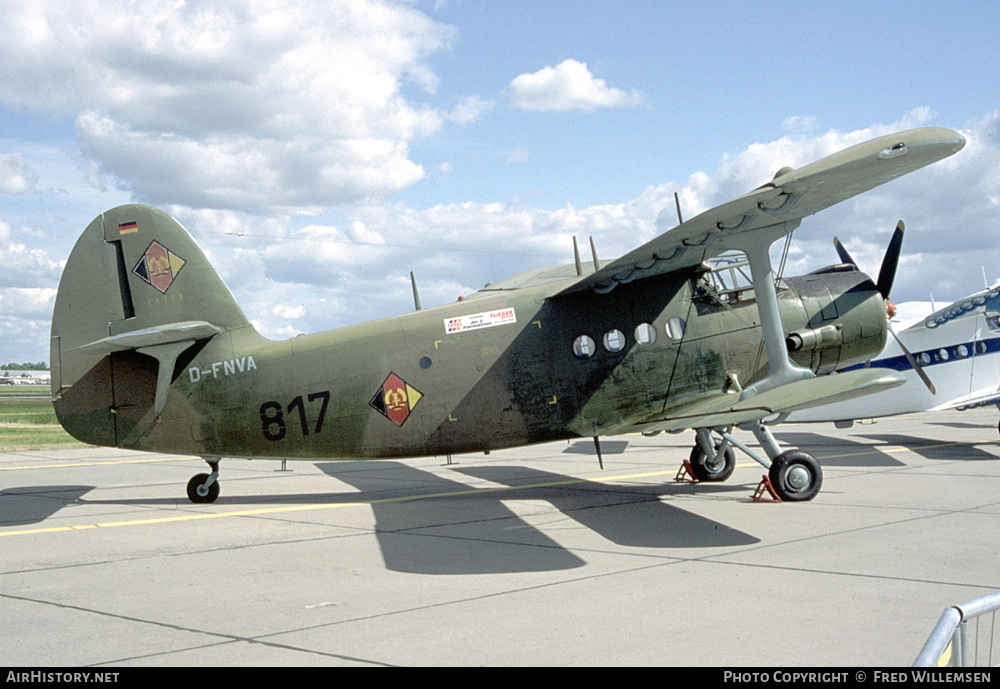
777, 207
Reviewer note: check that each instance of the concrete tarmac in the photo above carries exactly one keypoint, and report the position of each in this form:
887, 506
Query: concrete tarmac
532, 556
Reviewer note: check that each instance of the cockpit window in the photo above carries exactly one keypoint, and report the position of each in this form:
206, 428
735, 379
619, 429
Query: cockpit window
730, 271
729, 279
993, 320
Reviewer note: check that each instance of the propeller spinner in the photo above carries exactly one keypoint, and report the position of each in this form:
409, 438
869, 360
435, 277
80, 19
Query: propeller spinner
886, 276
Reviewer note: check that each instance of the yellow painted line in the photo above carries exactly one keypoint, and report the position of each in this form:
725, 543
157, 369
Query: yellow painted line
99, 464
289, 509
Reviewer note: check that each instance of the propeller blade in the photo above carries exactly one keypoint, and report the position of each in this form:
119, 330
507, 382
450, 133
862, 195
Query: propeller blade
913, 362
887, 274
842, 252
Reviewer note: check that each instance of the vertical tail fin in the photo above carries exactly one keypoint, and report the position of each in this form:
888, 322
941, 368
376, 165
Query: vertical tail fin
137, 296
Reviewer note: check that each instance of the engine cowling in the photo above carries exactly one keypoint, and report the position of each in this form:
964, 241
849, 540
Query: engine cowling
839, 319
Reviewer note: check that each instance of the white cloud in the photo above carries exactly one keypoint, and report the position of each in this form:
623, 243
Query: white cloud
953, 224
30, 302
250, 106
567, 86
291, 313
799, 124
456, 248
24, 267
517, 155
354, 266
16, 177
469, 110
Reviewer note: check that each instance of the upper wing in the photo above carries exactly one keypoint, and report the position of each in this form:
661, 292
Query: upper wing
987, 300
776, 208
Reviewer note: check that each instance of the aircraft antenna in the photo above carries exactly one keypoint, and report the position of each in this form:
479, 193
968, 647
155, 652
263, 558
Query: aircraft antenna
985, 281
576, 257
677, 202
597, 446
416, 295
593, 252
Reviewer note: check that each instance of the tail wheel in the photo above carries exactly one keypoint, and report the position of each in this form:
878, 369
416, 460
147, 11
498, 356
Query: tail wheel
706, 468
795, 476
198, 492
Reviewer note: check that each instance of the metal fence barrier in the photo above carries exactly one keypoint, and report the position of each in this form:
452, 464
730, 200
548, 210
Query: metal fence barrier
950, 645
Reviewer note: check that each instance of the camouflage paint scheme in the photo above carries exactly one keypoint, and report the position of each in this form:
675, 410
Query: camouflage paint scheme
150, 351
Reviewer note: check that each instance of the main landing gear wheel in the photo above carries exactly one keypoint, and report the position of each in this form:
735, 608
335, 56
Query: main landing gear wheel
795, 476
706, 468
198, 492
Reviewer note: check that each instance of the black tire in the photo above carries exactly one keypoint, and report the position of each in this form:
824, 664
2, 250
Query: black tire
795, 476
197, 493
702, 465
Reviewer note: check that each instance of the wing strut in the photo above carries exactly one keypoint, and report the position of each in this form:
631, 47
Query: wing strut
780, 369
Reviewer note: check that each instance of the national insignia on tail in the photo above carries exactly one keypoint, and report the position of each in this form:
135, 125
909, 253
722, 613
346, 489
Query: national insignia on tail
159, 266
395, 399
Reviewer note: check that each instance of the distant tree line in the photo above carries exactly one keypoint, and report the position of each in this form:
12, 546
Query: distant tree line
39, 366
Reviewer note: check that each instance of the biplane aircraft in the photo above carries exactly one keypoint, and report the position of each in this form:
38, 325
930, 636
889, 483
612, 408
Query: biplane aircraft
151, 352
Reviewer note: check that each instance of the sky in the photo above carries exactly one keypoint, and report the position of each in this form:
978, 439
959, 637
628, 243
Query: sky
320, 151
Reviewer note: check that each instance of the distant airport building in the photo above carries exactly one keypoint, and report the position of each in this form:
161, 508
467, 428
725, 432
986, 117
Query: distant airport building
25, 378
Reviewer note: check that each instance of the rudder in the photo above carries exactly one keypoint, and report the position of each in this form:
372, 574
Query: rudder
137, 296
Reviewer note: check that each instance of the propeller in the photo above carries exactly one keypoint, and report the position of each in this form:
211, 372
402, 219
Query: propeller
886, 276
887, 273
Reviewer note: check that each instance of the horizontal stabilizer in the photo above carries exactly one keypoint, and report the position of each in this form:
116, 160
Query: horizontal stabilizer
157, 335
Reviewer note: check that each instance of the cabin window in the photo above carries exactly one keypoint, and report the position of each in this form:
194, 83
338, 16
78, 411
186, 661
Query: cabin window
942, 355
645, 334
962, 351
584, 347
614, 340
675, 328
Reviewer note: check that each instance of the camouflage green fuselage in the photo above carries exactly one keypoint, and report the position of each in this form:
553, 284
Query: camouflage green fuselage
423, 384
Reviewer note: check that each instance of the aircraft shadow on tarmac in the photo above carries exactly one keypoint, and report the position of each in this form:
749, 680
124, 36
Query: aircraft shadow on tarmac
846, 452
840, 451
429, 524
473, 531
34, 504
963, 424
608, 447
935, 449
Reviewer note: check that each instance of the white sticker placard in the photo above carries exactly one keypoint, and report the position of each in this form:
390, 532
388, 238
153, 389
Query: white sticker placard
475, 321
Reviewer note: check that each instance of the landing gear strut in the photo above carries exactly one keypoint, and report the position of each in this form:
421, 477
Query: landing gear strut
204, 488
712, 461
793, 475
